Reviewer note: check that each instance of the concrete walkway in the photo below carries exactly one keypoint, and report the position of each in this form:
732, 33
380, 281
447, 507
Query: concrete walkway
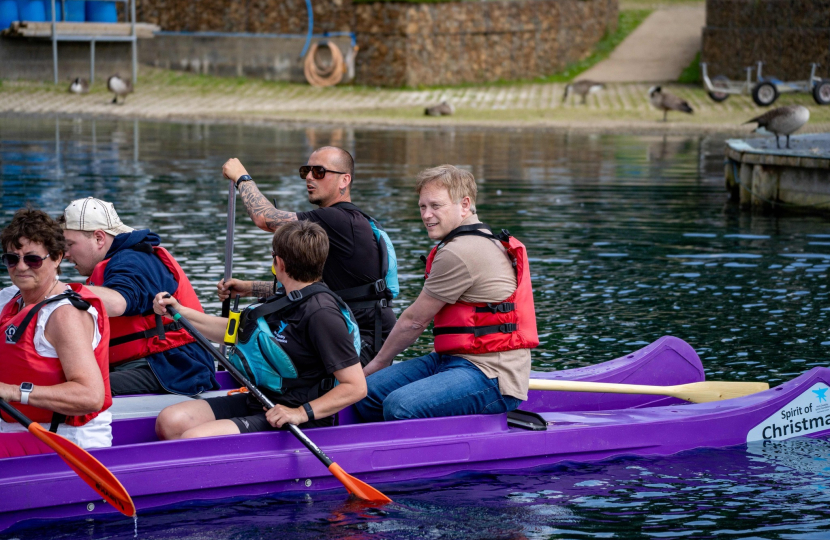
621, 107
657, 51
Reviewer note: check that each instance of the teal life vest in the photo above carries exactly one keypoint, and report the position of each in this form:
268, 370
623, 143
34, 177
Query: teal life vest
257, 352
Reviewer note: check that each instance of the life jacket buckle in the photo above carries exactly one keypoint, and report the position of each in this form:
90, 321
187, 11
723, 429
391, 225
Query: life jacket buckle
508, 328
504, 307
504, 235
295, 295
380, 285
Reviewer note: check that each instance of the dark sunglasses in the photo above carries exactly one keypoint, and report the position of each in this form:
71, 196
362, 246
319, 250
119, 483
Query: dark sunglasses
32, 261
318, 172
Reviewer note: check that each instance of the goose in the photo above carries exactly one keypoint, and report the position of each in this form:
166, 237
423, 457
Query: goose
782, 121
663, 101
582, 88
79, 86
442, 109
120, 87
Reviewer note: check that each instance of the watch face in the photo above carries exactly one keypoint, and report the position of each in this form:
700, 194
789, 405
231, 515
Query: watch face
26, 387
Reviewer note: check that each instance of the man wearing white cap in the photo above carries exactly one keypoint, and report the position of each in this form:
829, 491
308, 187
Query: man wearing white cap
126, 269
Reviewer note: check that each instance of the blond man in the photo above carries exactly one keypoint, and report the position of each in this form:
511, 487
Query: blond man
478, 294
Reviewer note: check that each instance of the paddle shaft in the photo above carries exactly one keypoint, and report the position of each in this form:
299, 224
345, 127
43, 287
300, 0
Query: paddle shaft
203, 341
14, 413
588, 386
699, 392
226, 305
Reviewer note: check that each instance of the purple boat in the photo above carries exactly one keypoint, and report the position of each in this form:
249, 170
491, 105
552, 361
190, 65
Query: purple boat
561, 426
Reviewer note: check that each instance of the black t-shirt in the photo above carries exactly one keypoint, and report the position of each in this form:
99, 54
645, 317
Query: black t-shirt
316, 338
354, 258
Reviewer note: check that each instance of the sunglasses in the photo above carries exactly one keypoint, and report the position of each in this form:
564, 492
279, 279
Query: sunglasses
318, 172
32, 261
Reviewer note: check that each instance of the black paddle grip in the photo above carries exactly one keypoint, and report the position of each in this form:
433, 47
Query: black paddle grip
14, 413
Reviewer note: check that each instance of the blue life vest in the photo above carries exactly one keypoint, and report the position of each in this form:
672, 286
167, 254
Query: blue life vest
257, 352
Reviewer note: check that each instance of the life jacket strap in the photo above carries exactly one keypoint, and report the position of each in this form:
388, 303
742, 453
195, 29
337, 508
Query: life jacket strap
74, 299
147, 334
476, 230
478, 331
57, 419
276, 305
378, 305
504, 307
363, 292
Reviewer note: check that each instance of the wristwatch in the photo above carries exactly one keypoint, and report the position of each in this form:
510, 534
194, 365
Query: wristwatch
243, 178
25, 389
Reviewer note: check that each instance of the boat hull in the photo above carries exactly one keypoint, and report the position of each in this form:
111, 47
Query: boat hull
163, 473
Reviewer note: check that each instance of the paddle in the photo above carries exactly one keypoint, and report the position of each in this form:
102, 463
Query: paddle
354, 486
87, 467
699, 392
226, 305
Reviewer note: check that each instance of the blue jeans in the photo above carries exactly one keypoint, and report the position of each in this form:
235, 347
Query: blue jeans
430, 386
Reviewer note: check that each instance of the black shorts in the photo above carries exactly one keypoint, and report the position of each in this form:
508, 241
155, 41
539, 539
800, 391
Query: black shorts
137, 380
249, 415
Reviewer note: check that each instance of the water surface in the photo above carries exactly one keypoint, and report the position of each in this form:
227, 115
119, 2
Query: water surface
630, 238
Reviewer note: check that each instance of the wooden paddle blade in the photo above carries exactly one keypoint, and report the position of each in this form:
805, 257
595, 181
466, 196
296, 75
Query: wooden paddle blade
357, 488
706, 391
88, 468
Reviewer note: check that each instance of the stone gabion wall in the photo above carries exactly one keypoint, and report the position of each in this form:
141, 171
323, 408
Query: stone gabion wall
459, 42
787, 35
406, 44
255, 16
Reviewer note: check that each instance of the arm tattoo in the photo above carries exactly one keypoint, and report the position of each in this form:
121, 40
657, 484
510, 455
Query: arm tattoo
260, 210
261, 289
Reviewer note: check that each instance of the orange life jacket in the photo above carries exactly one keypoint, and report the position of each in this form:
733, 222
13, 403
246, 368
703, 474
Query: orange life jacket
22, 363
477, 328
138, 336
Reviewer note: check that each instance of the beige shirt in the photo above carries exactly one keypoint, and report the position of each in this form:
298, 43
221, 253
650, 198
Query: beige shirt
478, 269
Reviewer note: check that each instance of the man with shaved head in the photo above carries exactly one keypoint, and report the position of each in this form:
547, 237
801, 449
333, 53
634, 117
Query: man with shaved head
359, 261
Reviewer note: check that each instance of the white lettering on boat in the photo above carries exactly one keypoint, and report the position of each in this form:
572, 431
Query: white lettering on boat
807, 413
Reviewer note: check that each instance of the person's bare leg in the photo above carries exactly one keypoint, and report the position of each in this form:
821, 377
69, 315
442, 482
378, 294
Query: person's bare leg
175, 420
212, 429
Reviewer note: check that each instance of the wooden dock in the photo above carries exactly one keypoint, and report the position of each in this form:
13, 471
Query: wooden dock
761, 176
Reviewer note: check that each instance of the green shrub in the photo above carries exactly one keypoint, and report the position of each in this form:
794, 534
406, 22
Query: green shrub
691, 75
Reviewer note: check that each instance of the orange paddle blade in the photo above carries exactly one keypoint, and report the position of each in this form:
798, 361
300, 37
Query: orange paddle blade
356, 487
88, 468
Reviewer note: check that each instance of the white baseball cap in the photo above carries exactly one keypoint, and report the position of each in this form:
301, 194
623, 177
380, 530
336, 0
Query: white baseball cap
92, 214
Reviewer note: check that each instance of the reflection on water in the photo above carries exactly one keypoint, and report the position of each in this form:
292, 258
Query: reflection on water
630, 238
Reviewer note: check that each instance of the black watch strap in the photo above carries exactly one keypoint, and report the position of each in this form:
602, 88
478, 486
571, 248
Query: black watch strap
309, 411
243, 178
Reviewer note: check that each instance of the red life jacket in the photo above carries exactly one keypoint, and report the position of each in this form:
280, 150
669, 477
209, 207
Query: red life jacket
22, 363
138, 336
477, 328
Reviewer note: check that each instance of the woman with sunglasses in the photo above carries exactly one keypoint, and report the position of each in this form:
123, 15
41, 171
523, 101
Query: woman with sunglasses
55, 342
